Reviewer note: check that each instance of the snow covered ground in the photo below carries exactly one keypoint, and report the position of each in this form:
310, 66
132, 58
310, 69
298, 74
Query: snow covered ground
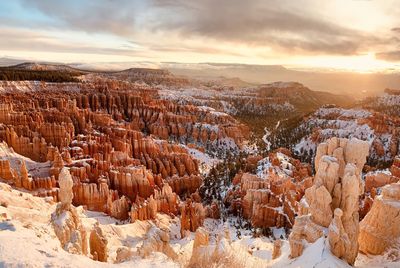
342, 123
27, 239
34, 168
206, 161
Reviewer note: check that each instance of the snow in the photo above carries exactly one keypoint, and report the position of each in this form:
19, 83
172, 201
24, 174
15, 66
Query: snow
27, 230
389, 100
351, 113
34, 168
265, 139
226, 100
285, 168
346, 124
263, 167
206, 161
30, 86
315, 255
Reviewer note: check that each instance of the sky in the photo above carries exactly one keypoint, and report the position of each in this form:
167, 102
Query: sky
355, 35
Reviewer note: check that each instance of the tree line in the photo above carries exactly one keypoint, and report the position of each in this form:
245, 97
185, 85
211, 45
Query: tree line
8, 74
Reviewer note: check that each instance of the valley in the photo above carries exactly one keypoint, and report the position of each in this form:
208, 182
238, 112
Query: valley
146, 167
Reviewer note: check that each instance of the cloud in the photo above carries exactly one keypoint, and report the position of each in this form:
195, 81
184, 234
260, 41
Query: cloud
396, 29
16, 39
284, 24
104, 16
389, 56
190, 49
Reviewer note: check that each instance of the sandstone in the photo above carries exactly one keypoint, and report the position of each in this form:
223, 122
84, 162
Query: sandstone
192, 216
164, 201
276, 252
157, 241
201, 241
98, 244
123, 254
376, 180
65, 220
304, 228
339, 241
319, 201
65, 195
380, 228
337, 188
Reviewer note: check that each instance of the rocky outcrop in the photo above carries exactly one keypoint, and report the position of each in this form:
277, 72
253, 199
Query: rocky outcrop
338, 238
374, 181
157, 240
201, 241
186, 184
133, 182
333, 199
118, 208
277, 251
303, 229
380, 228
6, 172
65, 220
192, 216
164, 201
271, 198
395, 169
98, 244
378, 128
65, 195
92, 195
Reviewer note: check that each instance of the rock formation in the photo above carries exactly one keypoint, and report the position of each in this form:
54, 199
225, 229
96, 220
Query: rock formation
121, 142
276, 252
271, 199
157, 241
98, 244
65, 220
374, 181
6, 172
380, 228
338, 238
377, 127
192, 216
333, 199
164, 201
201, 240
